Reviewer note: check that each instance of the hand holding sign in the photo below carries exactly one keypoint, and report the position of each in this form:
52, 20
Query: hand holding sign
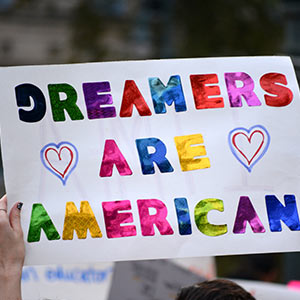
12, 250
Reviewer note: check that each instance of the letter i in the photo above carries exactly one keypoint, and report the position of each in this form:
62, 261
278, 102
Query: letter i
183, 216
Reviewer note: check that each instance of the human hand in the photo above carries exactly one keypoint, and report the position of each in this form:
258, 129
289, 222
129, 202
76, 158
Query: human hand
12, 251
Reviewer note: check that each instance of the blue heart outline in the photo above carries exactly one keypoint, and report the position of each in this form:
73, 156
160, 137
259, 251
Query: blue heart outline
249, 168
57, 146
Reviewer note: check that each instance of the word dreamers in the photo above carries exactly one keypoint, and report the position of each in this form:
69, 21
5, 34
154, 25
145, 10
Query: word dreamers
99, 100
118, 219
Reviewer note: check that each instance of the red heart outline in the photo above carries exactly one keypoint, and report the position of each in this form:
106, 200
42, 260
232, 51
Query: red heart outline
59, 156
249, 141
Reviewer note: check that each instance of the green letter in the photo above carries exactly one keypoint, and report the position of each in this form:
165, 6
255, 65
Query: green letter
41, 220
201, 211
68, 104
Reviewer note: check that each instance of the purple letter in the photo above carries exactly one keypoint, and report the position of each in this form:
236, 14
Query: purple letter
246, 213
235, 93
93, 100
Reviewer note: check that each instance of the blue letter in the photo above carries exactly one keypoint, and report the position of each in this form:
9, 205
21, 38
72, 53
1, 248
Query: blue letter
183, 216
158, 156
162, 94
288, 213
24, 93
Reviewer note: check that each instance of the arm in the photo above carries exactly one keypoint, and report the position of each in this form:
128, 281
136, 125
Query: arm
12, 251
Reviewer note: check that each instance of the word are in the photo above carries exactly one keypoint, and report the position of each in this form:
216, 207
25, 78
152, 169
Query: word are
117, 215
99, 100
190, 148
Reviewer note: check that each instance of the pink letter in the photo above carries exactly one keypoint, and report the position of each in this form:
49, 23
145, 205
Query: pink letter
235, 93
159, 219
113, 156
114, 219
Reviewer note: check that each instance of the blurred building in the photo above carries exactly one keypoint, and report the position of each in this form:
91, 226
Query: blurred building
54, 31
35, 33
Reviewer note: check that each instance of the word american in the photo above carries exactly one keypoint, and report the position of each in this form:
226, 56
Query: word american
119, 221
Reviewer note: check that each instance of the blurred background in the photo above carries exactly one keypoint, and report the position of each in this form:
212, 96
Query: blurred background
53, 31
75, 31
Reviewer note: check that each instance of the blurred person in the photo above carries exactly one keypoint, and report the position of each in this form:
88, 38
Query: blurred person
218, 289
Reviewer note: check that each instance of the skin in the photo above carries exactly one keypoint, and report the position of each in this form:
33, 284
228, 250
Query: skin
12, 252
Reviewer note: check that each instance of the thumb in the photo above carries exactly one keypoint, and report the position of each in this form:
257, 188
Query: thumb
15, 217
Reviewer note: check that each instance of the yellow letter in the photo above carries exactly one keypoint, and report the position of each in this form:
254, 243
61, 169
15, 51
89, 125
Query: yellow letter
80, 221
187, 154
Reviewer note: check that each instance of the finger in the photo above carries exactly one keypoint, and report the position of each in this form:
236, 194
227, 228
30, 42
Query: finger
15, 217
3, 204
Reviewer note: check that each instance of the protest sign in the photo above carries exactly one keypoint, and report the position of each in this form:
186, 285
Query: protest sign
67, 282
94, 281
150, 280
153, 159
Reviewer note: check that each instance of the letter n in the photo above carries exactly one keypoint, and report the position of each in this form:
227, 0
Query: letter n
278, 212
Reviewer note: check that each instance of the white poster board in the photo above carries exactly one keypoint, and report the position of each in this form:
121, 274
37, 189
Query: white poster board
153, 159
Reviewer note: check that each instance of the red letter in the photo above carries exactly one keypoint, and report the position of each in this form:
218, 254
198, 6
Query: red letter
114, 219
113, 156
132, 96
202, 92
159, 219
269, 82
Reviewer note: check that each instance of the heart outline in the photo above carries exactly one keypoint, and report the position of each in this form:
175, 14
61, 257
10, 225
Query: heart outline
58, 174
59, 156
249, 140
268, 139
